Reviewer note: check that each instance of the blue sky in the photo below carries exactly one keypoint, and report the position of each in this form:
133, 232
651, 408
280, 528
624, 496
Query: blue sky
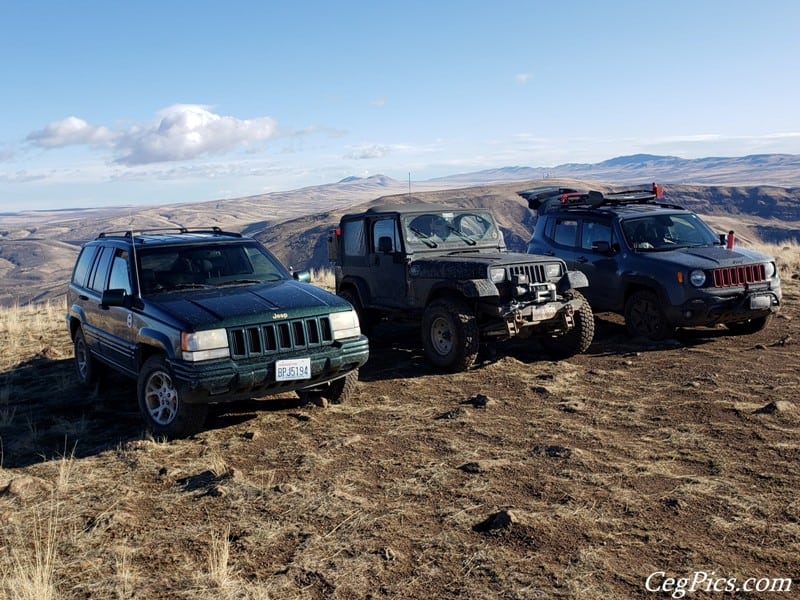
131, 103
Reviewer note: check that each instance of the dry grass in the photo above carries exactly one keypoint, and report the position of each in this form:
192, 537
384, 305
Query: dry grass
627, 460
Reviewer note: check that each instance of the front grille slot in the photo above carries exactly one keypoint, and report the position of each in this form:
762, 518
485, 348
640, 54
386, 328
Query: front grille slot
285, 336
739, 275
535, 273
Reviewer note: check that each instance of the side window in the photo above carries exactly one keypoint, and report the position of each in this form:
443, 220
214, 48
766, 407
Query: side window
355, 242
565, 232
83, 265
120, 277
385, 236
99, 276
595, 231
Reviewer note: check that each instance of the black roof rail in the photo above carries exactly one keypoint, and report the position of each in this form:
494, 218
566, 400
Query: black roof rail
128, 233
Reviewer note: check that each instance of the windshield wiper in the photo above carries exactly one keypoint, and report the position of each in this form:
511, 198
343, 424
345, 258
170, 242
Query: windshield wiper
240, 282
426, 239
462, 235
188, 286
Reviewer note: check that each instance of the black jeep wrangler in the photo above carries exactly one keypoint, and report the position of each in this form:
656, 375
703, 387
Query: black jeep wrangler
449, 269
201, 316
656, 263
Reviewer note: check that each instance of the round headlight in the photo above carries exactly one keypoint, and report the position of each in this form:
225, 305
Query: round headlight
697, 277
769, 270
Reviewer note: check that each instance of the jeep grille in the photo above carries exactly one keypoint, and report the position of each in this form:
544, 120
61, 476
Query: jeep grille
535, 273
283, 336
739, 275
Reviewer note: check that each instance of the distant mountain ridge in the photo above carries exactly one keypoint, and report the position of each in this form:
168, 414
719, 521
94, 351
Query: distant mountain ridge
755, 169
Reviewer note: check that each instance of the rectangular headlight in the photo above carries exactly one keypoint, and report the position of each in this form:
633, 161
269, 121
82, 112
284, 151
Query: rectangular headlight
345, 324
204, 345
552, 270
497, 274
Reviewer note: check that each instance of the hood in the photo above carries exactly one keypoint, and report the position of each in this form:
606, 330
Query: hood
708, 257
471, 265
247, 304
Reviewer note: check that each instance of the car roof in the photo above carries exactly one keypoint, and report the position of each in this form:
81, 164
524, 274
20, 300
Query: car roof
405, 209
170, 236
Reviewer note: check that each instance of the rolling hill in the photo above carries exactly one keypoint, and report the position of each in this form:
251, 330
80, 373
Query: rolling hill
38, 248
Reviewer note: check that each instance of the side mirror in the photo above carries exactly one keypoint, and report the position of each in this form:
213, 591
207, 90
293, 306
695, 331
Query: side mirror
304, 275
116, 297
601, 247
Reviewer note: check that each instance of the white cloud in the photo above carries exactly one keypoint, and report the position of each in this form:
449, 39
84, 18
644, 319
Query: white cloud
71, 131
185, 131
180, 132
367, 152
522, 78
379, 102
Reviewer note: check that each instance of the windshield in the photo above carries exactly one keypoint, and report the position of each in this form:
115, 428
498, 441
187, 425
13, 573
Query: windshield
667, 232
450, 229
196, 266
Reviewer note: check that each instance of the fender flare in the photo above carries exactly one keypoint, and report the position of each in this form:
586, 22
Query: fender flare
154, 338
572, 280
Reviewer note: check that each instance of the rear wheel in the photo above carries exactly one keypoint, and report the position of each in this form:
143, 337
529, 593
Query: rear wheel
579, 338
750, 326
364, 318
450, 335
644, 317
86, 366
165, 413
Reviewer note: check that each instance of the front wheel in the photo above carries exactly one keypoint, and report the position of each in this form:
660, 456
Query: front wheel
450, 335
165, 413
644, 317
337, 391
750, 326
578, 339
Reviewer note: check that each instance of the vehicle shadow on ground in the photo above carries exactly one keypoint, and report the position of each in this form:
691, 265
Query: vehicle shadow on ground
45, 414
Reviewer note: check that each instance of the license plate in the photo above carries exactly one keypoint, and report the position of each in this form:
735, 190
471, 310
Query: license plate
293, 368
760, 302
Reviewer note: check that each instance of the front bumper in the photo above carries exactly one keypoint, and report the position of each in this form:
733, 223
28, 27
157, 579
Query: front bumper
713, 309
522, 318
228, 380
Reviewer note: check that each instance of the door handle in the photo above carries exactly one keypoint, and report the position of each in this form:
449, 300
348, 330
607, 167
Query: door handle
582, 260
83, 297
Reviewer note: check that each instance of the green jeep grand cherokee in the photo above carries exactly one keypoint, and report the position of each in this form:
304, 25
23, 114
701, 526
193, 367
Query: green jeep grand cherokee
201, 316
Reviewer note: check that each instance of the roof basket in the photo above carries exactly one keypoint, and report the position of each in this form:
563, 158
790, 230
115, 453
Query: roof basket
543, 199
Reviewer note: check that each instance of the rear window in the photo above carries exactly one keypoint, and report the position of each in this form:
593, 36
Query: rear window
83, 265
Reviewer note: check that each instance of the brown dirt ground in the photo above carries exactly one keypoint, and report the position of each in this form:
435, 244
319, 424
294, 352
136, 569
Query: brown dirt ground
575, 479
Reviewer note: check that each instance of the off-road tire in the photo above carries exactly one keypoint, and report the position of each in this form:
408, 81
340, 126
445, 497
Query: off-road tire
750, 326
578, 339
450, 335
87, 368
364, 317
644, 317
338, 391
162, 408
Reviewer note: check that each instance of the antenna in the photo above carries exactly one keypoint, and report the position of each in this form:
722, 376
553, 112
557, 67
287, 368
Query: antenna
409, 183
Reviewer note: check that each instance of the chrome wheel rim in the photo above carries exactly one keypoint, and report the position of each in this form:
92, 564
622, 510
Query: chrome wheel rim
161, 398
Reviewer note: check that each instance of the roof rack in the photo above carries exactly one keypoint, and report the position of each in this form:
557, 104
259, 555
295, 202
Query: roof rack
544, 199
129, 233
